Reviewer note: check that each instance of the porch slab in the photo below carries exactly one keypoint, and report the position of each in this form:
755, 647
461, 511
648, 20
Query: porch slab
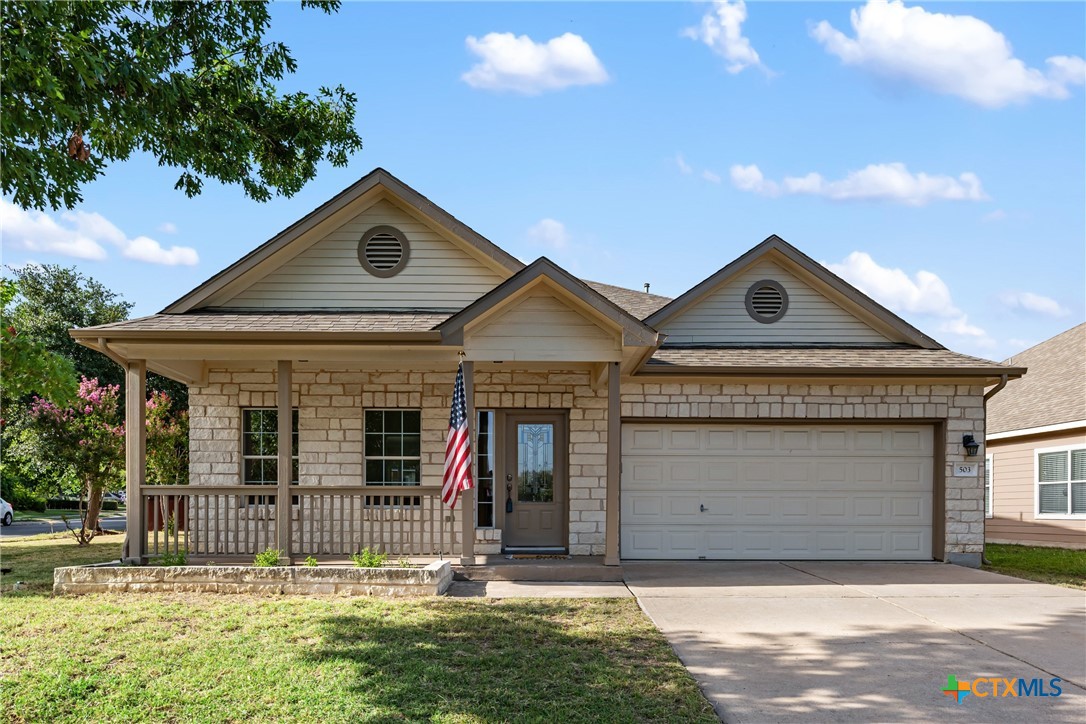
582, 569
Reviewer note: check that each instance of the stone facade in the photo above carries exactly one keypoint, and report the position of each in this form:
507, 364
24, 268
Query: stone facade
331, 405
961, 406
432, 579
330, 429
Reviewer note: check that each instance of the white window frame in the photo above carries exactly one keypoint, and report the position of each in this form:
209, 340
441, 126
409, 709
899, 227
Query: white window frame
989, 498
1037, 514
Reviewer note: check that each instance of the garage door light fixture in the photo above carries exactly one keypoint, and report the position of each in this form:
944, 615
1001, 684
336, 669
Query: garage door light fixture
970, 444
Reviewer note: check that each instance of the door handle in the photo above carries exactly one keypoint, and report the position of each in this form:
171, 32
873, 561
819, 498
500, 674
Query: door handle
703, 508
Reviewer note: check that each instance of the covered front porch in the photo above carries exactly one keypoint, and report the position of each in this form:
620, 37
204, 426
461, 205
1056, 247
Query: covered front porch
364, 398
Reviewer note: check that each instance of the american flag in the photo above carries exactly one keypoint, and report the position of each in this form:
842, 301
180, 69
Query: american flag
458, 449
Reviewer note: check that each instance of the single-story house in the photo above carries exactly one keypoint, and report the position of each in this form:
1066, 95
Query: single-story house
772, 411
1035, 492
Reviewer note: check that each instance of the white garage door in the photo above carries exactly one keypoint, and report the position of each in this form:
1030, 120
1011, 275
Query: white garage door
776, 492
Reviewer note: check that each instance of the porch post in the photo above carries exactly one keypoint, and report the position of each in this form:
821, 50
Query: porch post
286, 431
614, 464
467, 498
135, 458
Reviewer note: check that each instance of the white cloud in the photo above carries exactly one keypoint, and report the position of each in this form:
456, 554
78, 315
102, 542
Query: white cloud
82, 235
1036, 303
684, 167
957, 55
518, 63
167, 227
713, 178
549, 233
876, 182
721, 29
923, 294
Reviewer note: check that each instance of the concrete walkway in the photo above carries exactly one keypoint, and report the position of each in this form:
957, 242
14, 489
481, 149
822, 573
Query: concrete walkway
814, 642
536, 589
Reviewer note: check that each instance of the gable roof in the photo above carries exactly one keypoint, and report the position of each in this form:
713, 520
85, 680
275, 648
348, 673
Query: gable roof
776, 245
379, 178
639, 304
452, 329
1054, 391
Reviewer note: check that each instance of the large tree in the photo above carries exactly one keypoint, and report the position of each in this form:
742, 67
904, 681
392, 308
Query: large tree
193, 83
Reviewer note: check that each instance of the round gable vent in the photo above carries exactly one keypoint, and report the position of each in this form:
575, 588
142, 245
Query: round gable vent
383, 251
766, 301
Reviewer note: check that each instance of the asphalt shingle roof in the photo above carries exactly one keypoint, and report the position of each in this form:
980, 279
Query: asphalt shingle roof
1052, 392
638, 304
282, 322
765, 358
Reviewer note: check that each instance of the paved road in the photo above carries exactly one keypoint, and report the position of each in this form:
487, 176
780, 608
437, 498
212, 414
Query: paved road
22, 528
861, 642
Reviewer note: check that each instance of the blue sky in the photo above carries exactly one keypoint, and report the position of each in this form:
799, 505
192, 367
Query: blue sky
934, 155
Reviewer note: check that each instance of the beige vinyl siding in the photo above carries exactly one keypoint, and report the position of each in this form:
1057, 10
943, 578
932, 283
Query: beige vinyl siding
542, 328
327, 275
1014, 491
721, 317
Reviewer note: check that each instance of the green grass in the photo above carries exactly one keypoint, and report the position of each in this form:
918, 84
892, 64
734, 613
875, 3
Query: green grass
1061, 566
189, 657
32, 559
55, 514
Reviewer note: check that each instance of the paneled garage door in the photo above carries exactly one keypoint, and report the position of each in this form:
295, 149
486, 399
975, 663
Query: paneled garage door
776, 492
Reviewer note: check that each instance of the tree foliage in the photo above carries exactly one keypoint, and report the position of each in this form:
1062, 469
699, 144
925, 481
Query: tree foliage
88, 439
167, 442
193, 83
26, 366
52, 300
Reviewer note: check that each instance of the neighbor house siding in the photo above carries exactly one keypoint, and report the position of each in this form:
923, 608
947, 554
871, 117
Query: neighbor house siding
331, 406
1014, 476
961, 406
439, 274
540, 327
721, 317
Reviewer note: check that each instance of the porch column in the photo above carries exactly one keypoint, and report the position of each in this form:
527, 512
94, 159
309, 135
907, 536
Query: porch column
135, 458
467, 498
286, 431
614, 464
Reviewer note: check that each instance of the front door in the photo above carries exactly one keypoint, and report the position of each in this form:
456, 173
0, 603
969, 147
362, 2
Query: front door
535, 480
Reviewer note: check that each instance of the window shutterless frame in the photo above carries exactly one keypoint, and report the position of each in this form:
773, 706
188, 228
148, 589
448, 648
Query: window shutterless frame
259, 442
1059, 477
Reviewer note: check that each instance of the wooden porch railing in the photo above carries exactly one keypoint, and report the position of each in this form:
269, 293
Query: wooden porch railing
238, 521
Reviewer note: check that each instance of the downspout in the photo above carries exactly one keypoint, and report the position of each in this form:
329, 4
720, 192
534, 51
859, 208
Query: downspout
990, 393
987, 396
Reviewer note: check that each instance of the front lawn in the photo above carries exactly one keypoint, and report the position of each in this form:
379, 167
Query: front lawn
1061, 566
188, 657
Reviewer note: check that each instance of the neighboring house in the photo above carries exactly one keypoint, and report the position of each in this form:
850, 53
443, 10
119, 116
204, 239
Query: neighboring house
771, 412
1036, 448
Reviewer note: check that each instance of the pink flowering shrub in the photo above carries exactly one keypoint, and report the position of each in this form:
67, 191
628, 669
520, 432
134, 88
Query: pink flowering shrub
88, 439
167, 442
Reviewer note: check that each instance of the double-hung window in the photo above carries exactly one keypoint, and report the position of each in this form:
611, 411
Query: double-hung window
260, 449
1061, 482
393, 449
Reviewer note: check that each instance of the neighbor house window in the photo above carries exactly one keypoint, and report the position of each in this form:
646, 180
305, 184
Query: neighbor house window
484, 469
1061, 482
260, 449
988, 486
393, 447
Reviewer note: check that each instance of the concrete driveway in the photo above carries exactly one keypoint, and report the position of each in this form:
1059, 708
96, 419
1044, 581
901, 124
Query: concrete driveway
813, 642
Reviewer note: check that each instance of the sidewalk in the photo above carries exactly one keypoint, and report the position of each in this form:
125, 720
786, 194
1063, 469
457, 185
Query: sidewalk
537, 589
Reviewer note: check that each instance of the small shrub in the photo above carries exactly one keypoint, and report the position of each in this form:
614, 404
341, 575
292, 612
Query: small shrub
171, 559
366, 558
310, 562
268, 558
404, 563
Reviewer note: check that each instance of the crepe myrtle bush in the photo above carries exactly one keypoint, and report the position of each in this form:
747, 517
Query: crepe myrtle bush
88, 440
